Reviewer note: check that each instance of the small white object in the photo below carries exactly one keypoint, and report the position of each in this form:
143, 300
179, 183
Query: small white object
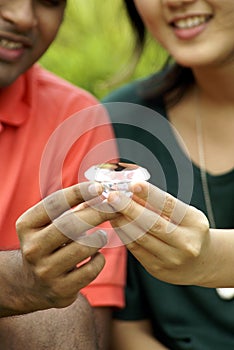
116, 176
225, 293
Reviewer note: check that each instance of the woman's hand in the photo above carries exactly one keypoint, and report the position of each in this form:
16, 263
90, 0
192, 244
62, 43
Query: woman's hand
168, 237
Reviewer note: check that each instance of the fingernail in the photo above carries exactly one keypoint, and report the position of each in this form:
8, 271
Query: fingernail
136, 188
95, 189
104, 235
113, 198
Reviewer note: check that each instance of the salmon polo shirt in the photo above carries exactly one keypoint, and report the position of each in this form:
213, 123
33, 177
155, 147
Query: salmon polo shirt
50, 133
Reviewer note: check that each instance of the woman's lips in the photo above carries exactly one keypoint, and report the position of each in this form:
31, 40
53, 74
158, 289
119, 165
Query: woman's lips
189, 27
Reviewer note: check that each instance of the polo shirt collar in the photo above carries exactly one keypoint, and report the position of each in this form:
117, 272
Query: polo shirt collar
16, 101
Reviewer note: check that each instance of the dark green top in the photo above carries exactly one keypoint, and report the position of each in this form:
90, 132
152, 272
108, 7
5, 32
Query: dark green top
183, 317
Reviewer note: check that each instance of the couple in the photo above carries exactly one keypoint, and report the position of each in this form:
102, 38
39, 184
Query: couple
187, 244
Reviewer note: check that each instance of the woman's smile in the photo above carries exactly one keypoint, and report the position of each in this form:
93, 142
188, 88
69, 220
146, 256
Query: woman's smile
194, 32
188, 27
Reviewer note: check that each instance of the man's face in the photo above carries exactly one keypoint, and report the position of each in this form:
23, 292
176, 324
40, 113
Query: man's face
27, 28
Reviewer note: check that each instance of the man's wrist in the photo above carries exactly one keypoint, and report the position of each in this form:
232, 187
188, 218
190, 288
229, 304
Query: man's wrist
12, 293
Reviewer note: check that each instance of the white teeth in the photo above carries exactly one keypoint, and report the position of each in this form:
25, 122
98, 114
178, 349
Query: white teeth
10, 44
190, 22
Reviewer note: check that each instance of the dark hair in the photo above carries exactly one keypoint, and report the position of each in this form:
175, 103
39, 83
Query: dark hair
175, 79
137, 23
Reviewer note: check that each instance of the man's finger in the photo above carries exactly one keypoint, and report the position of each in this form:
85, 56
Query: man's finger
56, 204
74, 253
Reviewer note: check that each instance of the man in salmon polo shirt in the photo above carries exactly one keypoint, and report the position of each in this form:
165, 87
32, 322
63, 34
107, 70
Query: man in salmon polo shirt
50, 133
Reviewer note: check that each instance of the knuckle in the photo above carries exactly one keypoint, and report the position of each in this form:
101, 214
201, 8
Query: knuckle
83, 248
42, 272
177, 262
56, 297
55, 204
29, 251
143, 239
51, 203
62, 225
103, 215
202, 221
169, 205
57, 291
99, 263
133, 247
95, 266
204, 224
193, 250
79, 192
128, 207
21, 224
156, 226
174, 259
155, 270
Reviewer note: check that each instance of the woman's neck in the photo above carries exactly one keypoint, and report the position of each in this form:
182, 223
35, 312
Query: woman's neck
216, 84
211, 100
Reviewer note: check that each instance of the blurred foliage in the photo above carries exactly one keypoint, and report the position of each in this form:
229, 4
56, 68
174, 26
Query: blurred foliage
95, 45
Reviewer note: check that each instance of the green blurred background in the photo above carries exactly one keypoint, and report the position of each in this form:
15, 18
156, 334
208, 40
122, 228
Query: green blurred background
95, 45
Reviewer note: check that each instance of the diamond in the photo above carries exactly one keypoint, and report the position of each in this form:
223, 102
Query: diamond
116, 176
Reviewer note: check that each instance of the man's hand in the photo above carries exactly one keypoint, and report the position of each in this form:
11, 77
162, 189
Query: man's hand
57, 259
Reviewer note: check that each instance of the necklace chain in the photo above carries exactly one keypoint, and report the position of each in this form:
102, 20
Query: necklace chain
223, 293
202, 166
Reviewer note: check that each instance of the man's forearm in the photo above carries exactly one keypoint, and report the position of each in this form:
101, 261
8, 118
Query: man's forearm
102, 317
11, 298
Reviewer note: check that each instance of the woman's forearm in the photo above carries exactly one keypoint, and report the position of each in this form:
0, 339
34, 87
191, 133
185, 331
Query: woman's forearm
134, 335
219, 260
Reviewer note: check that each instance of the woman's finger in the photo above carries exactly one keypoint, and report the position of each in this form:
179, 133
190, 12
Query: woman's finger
147, 219
147, 258
127, 230
141, 244
163, 203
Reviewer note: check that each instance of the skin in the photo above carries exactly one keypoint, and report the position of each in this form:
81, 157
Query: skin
174, 243
32, 25
134, 335
172, 240
35, 24
51, 329
216, 108
45, 282
157, 16
178, 246
34, 278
